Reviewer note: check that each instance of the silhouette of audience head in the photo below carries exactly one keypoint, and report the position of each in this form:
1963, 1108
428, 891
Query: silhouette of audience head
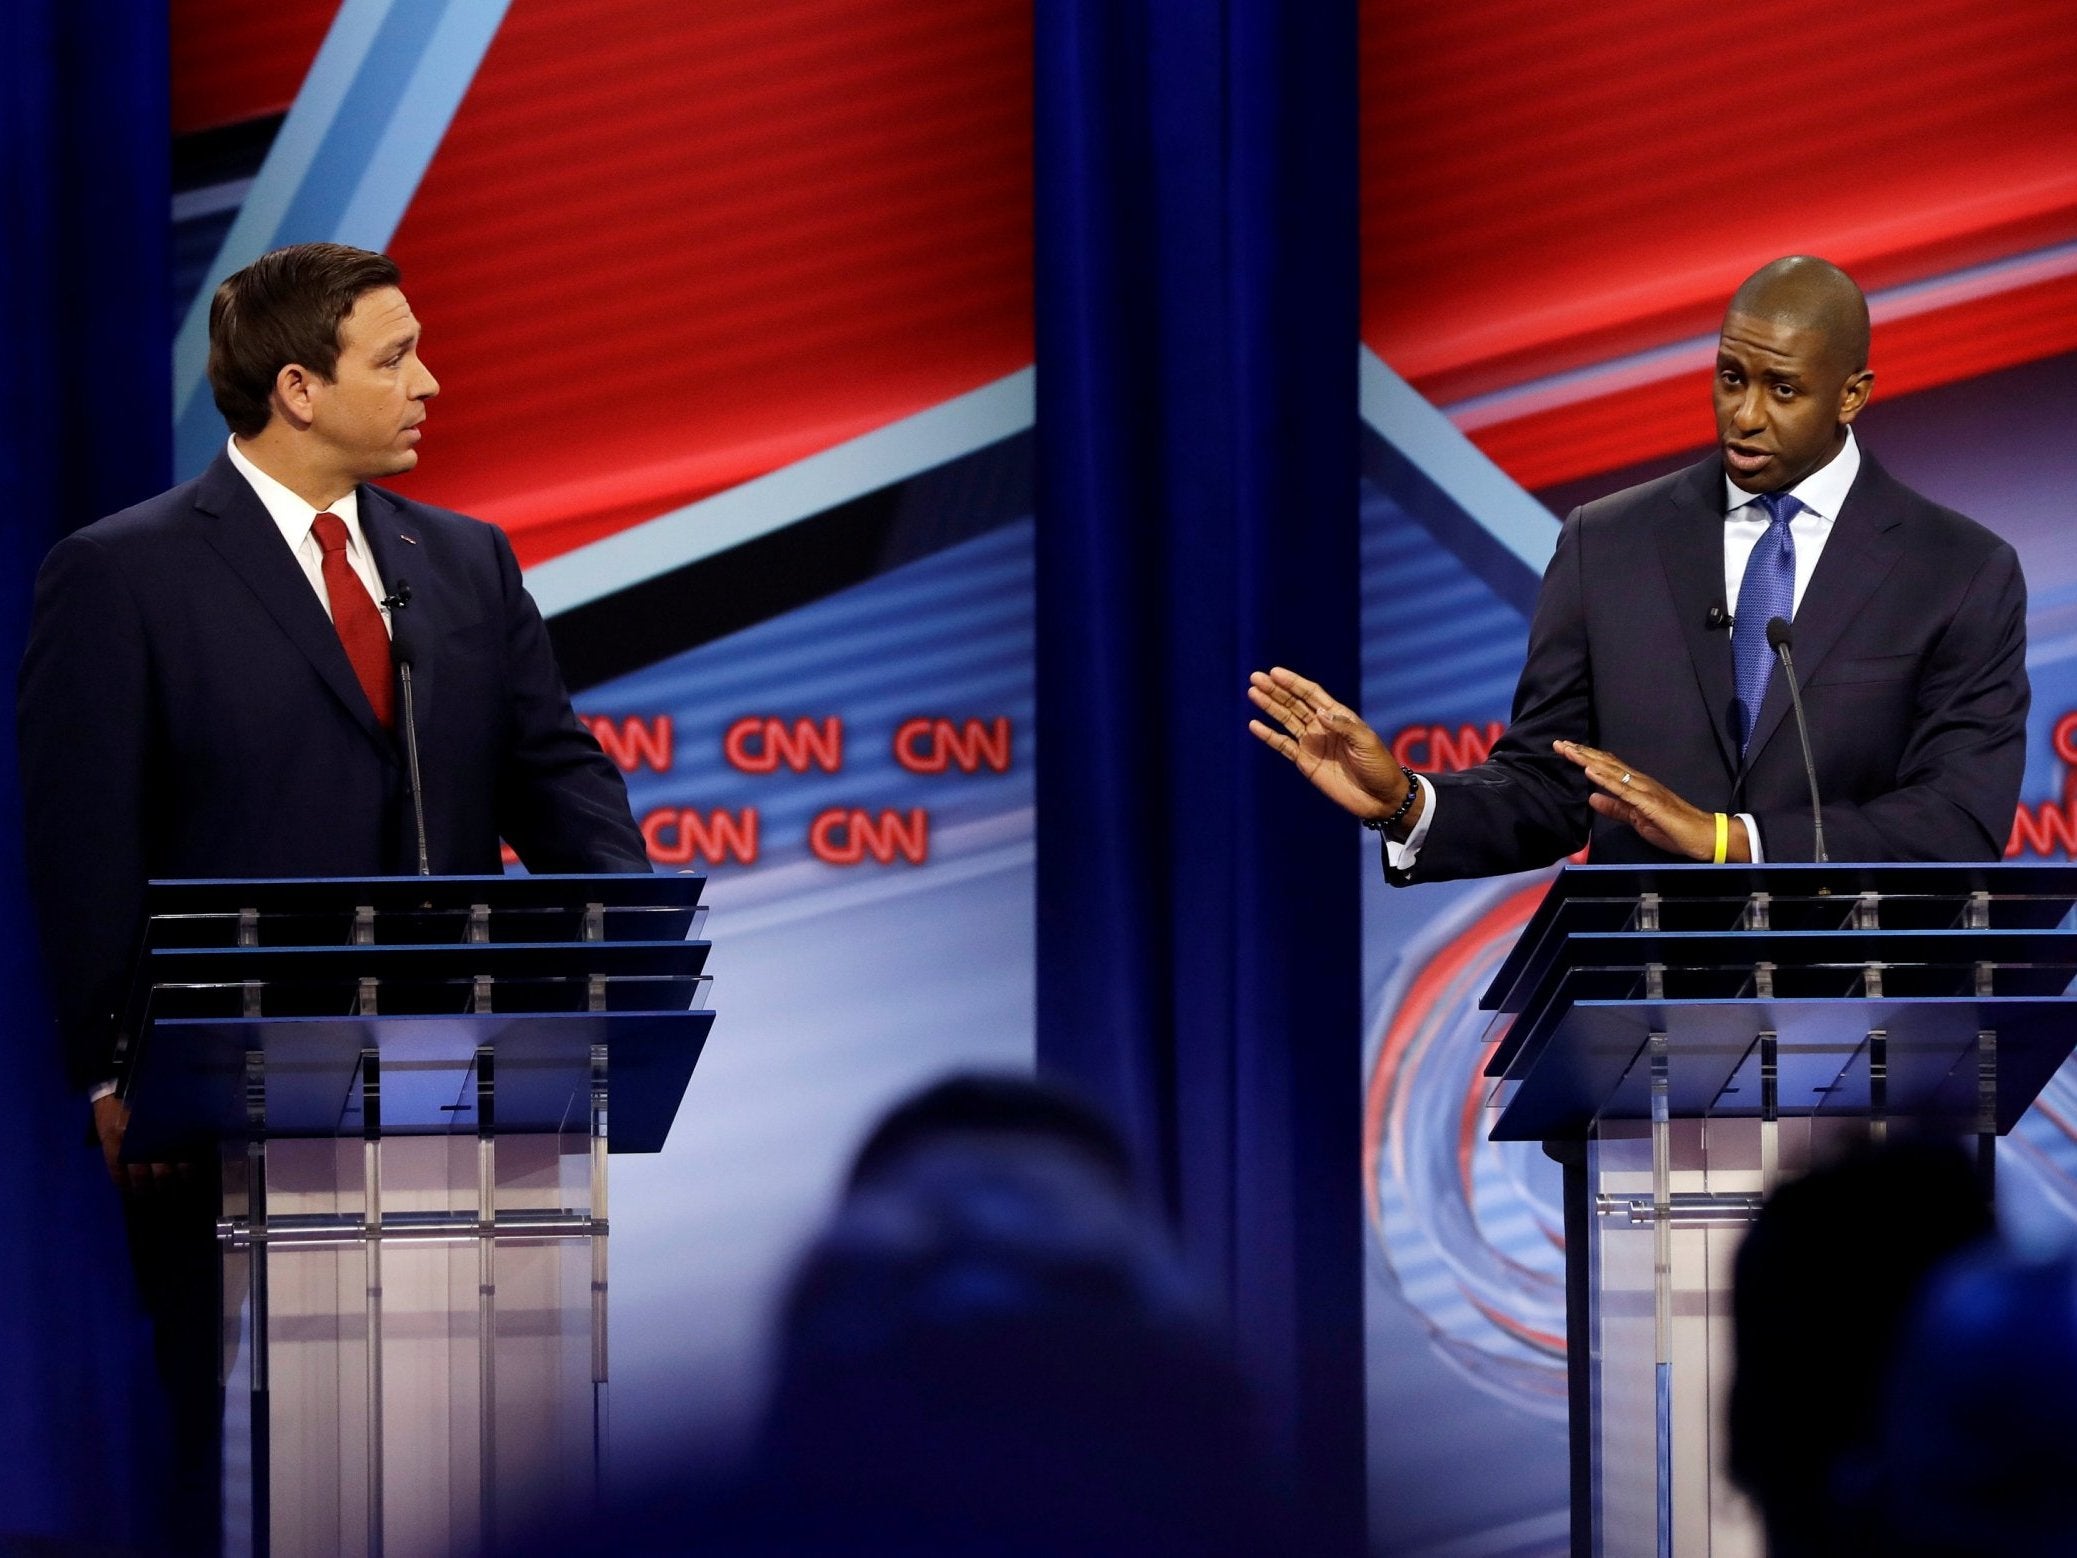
977, 1108
993, 1348
1979, 1442
1824, 1282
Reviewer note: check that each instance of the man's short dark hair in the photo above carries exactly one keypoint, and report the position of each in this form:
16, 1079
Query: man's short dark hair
1808, 293
285, 307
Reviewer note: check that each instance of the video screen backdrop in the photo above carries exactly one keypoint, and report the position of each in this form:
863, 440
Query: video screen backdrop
1555, 206
730, 304
731, 307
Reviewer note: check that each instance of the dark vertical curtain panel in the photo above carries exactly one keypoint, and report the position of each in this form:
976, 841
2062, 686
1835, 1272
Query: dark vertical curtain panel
1198, 960
85, 430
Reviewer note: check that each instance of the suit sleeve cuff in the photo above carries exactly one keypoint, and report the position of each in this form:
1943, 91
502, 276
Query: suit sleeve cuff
1752, 837
1401, 856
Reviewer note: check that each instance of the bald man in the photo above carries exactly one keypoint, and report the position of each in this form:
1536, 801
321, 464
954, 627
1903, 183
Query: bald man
1652, 717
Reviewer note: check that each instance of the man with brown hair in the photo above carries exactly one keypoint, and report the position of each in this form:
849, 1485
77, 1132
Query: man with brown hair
209, 691
209, 685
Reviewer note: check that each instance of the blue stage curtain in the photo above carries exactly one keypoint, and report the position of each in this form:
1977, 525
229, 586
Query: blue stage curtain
1198, 905
86, 428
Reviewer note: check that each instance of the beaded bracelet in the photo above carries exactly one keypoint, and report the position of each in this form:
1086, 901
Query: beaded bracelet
1379, 824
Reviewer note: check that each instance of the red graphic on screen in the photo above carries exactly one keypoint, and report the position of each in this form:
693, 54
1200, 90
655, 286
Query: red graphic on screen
1546, 189
667, 248
2050, 827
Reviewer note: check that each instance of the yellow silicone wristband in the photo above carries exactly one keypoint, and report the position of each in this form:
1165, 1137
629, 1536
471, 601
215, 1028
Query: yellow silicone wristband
1723, 839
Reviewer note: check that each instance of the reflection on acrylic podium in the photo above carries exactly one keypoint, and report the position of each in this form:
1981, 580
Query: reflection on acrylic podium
1684, 1039
414, 1086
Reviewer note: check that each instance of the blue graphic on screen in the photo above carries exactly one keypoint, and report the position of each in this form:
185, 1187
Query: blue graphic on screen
839, 988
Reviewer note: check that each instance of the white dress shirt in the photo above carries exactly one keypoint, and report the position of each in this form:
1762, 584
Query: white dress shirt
1821, 493
294, 517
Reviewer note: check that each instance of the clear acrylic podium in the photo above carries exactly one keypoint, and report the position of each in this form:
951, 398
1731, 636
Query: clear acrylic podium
413, 1085
1683, 1038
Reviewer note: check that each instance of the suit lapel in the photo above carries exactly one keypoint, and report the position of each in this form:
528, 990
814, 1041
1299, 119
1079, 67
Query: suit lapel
1864, 545
394, 544
1691, 550
239, 527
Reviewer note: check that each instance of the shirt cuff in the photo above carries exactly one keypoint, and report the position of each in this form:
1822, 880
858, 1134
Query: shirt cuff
99, 1091
1401, 857
1752, 837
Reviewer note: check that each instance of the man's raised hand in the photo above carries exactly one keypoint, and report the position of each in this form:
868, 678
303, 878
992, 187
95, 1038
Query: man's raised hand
1330, 744
1661, 818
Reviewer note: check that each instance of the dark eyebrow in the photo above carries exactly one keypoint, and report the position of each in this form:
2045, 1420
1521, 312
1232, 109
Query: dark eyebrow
402, 343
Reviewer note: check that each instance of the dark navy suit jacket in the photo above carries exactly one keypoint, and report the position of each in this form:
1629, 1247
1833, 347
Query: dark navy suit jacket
1910, 644
186, 710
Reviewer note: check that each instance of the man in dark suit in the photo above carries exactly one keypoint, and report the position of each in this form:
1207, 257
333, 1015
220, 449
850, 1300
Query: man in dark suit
1650, 641
211, 690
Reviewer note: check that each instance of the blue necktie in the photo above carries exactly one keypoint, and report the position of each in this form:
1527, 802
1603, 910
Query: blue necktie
1767, 591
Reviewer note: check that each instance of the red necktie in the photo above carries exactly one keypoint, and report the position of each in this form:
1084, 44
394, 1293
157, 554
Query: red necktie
354, 615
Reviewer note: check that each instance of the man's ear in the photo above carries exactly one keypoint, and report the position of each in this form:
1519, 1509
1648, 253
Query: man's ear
1854, 396
294, 389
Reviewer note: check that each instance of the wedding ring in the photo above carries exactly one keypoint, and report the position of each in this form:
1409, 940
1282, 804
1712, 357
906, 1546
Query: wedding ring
1626, 778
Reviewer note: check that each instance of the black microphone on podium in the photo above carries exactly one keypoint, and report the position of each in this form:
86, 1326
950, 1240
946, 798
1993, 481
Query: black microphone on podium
400, 652
1778, 640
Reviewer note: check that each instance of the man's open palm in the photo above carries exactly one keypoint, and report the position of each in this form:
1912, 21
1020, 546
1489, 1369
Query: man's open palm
1329, 742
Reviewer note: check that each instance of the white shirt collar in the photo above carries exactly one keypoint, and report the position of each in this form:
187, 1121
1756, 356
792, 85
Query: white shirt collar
291, 515
1822, 492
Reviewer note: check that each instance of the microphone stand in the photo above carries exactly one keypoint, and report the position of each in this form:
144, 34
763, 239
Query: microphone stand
1778, 637
411, 767
400, 650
